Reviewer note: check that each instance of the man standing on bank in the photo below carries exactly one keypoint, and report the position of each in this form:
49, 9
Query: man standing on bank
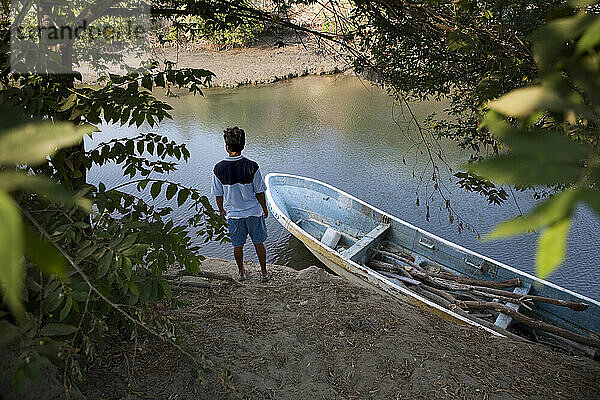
240, 193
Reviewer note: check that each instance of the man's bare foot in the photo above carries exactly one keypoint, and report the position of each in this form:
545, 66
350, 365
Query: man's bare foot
266, 278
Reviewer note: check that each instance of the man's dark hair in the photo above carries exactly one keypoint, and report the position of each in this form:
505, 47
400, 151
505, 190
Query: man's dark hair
235, 139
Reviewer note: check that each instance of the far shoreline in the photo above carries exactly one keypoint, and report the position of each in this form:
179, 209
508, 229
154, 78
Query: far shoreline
253, 65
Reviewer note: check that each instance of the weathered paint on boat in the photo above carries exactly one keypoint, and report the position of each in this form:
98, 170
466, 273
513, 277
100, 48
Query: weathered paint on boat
303, 205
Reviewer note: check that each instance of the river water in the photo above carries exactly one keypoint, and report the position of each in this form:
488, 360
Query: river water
344, 132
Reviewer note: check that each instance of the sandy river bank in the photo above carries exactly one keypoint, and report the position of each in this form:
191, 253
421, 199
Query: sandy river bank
309, 334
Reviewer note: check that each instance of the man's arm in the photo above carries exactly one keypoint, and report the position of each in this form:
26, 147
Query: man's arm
217, 190
259, 190
261, 199
220, 205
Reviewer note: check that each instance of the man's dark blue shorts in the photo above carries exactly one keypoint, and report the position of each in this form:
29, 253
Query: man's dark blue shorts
239, 228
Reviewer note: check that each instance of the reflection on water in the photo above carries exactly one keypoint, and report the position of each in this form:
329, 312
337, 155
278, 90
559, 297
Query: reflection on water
342, 131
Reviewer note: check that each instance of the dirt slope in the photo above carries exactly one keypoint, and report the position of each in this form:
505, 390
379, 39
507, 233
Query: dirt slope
310, 335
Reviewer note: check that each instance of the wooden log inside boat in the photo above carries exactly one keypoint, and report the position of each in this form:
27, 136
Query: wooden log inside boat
482, 315
437, 299
407, 278
387, 245
387, 267
401, 257
527, 303
388, 270
532, 323
515, 297
439, 296
401, 278
514, 282
459, 306
455, 286
467, 296
440, 293
426, 291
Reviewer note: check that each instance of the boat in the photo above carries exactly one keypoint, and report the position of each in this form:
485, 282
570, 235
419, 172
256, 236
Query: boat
353, 238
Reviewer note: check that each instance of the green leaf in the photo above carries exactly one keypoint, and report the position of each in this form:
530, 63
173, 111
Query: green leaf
133, 298
12, 273
68, 102
52, 298
171, 190
125, 115
32, 370
547, 146
43, 254
32, 143
128, 241
458, 41
552, 247
8, 332
104, 264
10, 181
523, 102
582, 3
99, 253
159, 79
79, 295
133, 288
142, 185
52, 288
53, 329
86, 251
549, 40
147, 82
551, 211
155, 189
19, 378
524, 169
136, 249
130, 147
127, 267
589, 39
66, 308
182, 196
179, 78
536, 157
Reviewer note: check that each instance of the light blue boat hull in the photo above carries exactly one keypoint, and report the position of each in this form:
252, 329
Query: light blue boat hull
307, 207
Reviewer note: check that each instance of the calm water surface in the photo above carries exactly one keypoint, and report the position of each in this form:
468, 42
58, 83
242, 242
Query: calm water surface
342, 131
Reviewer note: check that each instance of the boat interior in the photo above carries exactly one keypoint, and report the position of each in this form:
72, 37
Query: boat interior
355, 231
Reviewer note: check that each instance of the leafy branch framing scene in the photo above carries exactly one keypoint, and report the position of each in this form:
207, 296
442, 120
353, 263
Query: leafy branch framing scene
89, 264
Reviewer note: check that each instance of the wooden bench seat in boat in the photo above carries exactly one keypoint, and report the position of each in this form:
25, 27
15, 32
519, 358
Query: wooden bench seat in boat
359, 249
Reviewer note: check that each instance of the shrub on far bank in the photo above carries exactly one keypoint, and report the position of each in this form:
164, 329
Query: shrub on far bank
192, 31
